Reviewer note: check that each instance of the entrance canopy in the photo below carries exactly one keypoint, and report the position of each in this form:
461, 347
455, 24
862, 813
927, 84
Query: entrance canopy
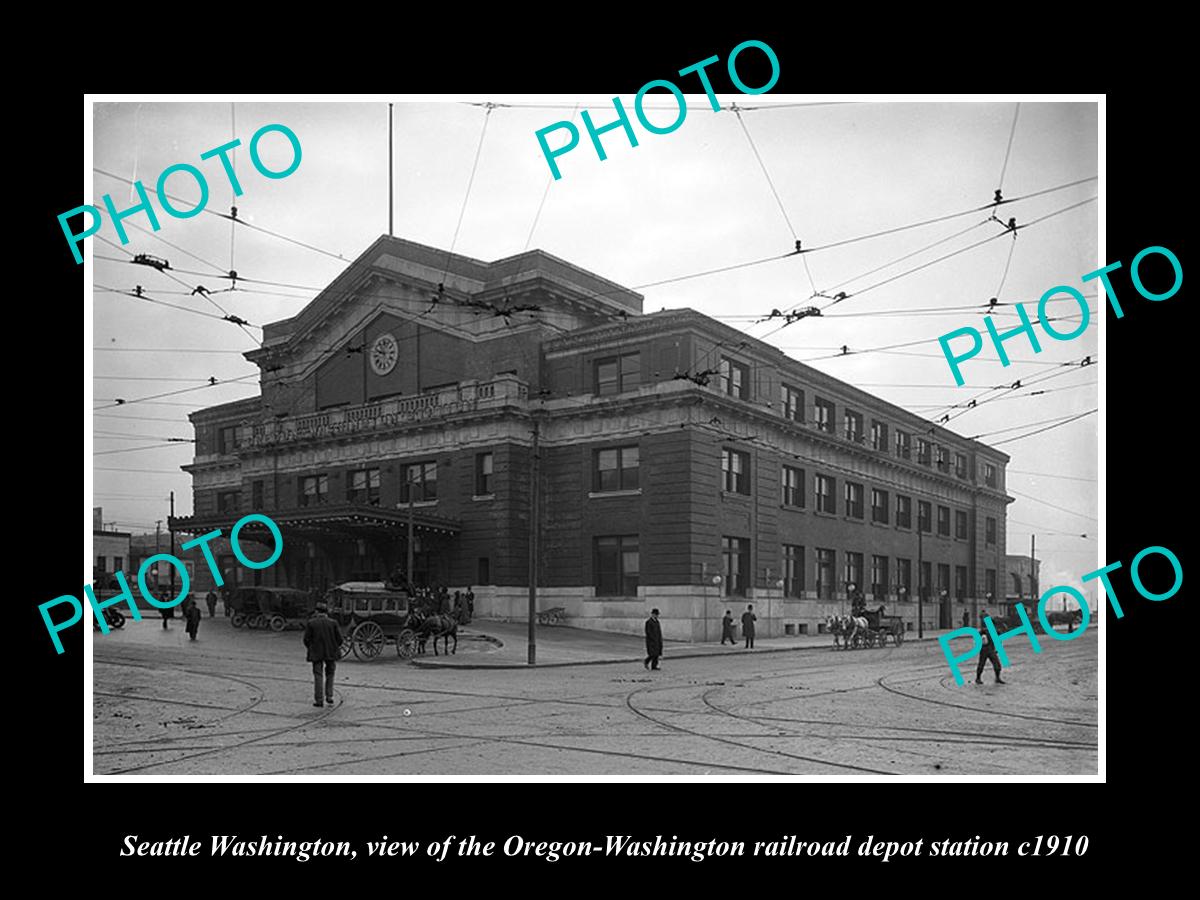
344, 520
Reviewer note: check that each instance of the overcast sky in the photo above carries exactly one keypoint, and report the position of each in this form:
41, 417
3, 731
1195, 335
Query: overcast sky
681, 203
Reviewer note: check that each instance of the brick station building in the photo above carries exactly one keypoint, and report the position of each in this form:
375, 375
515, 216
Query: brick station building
682, 464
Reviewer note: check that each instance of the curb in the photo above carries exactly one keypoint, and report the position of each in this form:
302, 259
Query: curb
425, 664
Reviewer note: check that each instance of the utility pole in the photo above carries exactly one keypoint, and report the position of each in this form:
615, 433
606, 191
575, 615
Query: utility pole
408, 572
391, 230
171, 528
534, 528
920, 578
1033, 571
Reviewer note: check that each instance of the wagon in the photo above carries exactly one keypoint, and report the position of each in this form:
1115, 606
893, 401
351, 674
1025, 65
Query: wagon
882, 627
371, 616
269, 607
551, 616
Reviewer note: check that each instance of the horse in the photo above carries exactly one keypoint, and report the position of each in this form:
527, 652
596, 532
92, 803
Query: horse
846, 629
438, 626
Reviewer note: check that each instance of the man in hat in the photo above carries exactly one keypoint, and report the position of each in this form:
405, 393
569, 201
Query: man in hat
988, 652
323, 638
748, 620
727, 629
654, 642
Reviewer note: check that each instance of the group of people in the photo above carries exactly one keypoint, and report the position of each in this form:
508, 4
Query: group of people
437, 599
654, 639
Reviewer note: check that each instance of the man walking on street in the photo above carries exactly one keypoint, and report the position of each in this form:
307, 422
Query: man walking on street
191, 616
211, 600
323, 638
727, 629
654, 641
748, 620
988, 652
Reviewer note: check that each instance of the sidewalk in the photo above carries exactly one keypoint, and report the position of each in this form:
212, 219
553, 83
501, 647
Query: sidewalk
563, 646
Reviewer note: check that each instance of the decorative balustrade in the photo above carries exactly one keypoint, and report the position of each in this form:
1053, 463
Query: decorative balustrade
464, 397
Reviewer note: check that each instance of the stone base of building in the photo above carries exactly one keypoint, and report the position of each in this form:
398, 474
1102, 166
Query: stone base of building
687, 613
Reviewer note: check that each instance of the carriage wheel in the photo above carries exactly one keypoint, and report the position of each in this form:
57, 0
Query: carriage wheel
406, 644
347, 644
238, 620
277, 622
368, 640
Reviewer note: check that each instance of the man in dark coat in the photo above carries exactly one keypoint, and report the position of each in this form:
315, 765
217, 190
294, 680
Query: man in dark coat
748, 620
191, 616
323, 638
727, 629
654, 642
987, 652
211, 600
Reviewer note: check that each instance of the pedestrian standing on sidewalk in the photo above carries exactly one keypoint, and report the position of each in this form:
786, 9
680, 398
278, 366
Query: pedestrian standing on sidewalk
727, 629
748, 620
167, 614
654, 642
210, 600
191, 616
988, 652
470, 604
323, 638
966, 619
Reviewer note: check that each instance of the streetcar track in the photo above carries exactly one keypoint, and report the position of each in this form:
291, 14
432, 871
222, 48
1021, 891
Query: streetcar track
629, 703
991, 712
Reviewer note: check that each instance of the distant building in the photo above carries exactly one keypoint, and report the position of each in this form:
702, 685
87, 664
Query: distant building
110, 549
1019, 584
681, 464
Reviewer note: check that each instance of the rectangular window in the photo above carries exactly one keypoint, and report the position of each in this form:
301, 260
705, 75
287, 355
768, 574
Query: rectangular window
989, 530
854, 570
904, 577
793, 486
879, 435
943, 584
924, 516
960, 583
363, 487
943, 458
989, 583
960, 465
735, 378
793, 404
118, 563
735, 471
903, 444
617, 566
823, 414
229, 501
418, 481
824, 486
989, 475
854, 500
100, 562
736, 554
903, 511
483, 571
793, 570
926, 578
960, 524
924, 452
879, 506
618, 374
227, 440
943, 521
314, 489
879, 577
484, 463
256, 494
826, 569
615, 469
853, 426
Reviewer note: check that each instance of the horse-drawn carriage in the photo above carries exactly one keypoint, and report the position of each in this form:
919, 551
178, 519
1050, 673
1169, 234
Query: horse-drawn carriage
869, 628
270, 607
371, 615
